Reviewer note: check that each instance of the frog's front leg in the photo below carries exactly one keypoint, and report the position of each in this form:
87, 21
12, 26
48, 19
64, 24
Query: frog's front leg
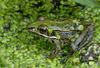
56, 50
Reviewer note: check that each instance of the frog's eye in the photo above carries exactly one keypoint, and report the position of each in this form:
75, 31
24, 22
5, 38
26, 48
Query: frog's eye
42, 28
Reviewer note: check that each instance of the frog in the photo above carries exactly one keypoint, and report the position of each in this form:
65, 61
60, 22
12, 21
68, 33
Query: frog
75, 35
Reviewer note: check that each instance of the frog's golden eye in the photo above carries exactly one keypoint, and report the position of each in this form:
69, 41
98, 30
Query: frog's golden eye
42, 28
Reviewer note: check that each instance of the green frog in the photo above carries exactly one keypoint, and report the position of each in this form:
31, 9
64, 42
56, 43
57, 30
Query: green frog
73, 34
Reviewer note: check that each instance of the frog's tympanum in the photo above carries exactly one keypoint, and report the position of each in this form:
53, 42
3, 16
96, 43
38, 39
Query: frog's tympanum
76, 37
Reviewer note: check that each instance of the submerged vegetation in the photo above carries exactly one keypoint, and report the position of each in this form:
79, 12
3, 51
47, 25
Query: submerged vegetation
20, 48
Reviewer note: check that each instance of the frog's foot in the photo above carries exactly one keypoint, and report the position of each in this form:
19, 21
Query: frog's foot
91, 54
54, 54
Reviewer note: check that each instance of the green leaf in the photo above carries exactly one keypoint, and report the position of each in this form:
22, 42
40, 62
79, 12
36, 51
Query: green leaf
88, 3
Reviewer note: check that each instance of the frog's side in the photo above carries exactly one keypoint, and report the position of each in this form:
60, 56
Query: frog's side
62, 36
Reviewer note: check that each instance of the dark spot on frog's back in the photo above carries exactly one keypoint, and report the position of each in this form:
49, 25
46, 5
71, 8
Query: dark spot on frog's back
67, 34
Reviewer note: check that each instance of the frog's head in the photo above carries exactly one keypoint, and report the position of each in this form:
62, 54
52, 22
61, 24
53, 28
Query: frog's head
39, 29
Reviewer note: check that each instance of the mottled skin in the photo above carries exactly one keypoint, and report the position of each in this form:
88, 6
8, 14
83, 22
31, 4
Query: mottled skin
85, 36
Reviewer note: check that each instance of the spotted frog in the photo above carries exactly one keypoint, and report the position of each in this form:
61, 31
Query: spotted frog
76, 36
